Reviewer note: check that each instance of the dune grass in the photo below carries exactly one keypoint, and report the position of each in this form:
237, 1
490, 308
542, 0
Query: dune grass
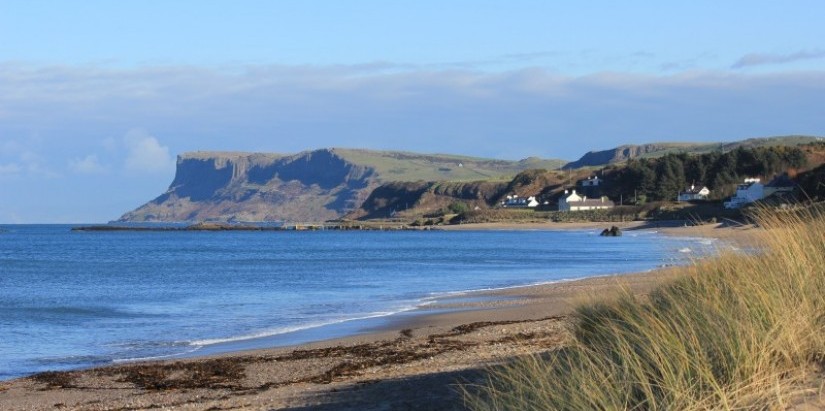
739, 331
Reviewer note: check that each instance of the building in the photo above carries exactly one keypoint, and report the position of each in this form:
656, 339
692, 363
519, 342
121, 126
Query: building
590, 182
590, 187
571, 201
749, 191
694, 193
514, 201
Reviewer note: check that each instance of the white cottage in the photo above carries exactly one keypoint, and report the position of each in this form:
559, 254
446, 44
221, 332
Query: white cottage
520, 202
751, 190
694, 193
590, 182
571, 201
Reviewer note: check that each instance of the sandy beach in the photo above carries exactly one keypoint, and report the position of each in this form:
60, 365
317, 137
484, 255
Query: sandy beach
416, 362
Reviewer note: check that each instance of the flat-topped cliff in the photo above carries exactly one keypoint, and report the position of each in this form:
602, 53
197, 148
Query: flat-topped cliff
310, 186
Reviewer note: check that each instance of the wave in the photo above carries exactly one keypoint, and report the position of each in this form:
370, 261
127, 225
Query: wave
434, 297
153, 357
290, 329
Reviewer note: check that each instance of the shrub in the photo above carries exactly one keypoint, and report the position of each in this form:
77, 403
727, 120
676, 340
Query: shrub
459, 207
741, 331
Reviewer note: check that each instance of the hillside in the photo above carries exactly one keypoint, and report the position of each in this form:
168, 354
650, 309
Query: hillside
636, 182
414, 199
406, 166
654, 150
329, 184
310, 186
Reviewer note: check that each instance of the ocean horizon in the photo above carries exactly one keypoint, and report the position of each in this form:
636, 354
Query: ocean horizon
72, 300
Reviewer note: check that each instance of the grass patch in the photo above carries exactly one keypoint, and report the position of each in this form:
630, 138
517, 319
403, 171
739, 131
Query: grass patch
741, 331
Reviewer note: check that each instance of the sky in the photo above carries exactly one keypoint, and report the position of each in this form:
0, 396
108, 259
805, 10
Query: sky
98, 97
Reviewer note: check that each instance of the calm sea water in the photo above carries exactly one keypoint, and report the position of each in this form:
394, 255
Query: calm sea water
77, 299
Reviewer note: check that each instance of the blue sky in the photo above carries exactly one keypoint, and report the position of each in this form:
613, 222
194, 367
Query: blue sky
97, 97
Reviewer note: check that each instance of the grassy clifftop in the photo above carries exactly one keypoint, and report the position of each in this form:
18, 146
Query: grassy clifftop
405, 166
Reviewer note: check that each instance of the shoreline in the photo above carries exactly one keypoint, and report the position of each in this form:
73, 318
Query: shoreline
431, 347
428, 306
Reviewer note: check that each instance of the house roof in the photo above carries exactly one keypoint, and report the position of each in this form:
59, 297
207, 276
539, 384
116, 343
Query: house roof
591, 202
694, 190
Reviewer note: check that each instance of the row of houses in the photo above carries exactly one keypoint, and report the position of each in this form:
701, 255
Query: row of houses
589, 197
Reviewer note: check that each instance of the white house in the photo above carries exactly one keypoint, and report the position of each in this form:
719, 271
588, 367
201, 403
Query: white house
590, 182
516, 202
751, 190
571, 201
694, 193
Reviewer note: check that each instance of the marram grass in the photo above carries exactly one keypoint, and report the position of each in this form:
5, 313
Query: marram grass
739, 331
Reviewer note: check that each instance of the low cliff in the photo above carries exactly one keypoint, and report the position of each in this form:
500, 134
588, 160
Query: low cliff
412, 199
631, 151
420, 198
623, 153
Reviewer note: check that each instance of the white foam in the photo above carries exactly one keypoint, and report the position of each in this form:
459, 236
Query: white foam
434, 297
153, 358
286, 330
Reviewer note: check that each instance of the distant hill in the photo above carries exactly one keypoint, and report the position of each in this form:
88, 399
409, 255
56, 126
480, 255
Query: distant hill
332, 183
310, 186
627, 152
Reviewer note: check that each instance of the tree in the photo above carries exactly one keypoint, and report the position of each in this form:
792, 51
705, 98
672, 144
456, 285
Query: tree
459, 207
670, 177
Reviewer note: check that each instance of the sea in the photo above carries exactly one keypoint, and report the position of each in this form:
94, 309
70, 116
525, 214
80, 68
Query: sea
72, 300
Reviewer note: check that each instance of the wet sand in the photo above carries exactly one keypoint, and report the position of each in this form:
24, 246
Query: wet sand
415, 362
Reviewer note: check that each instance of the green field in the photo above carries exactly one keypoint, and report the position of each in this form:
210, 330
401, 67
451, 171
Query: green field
405, 166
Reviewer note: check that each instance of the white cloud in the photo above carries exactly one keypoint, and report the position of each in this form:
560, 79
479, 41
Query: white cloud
9, 169
293, 108
25, 162
759, 59
86, 165
145, 153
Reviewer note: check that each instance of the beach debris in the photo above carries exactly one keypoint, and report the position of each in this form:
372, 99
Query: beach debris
210, 373
231, 373
56, 379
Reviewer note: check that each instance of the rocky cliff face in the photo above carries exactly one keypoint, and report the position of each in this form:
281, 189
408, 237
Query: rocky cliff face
310, 186
406, 199
315, 185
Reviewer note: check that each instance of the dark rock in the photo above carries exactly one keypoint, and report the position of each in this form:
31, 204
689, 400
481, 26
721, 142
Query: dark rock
611, 232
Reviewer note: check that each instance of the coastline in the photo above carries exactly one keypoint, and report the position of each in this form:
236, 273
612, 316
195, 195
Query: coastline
425, 350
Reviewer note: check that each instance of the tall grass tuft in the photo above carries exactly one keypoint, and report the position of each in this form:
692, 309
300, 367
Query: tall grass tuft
739, 331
